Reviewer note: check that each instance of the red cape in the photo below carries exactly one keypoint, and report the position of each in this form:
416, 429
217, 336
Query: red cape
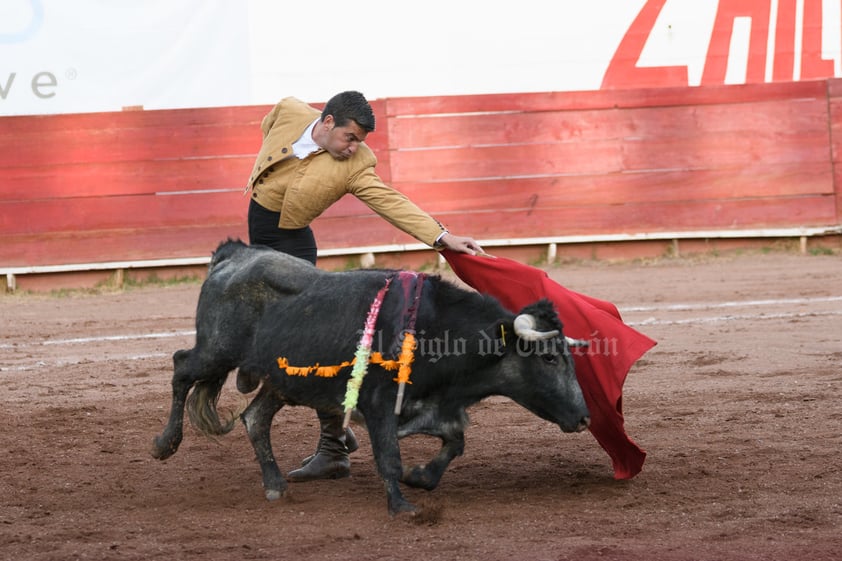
601, 368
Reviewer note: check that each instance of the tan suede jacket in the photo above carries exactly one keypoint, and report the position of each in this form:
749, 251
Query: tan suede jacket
301, 190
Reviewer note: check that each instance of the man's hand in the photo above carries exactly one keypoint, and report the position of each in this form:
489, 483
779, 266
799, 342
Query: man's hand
461, 244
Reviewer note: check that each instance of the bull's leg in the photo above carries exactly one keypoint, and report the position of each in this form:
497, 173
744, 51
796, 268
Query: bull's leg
383, 430
189, 366
427, 476
258, 421
166, 444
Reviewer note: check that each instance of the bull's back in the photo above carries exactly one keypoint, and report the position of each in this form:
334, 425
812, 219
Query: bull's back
242, 281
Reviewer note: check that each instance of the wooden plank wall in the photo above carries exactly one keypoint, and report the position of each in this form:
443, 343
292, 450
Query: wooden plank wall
835, 111
139, 185
609, 162
116, 186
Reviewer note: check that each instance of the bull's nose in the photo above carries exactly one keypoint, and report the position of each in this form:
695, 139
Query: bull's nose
583, 424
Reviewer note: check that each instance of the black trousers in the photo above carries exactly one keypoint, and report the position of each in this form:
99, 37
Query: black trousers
263, 230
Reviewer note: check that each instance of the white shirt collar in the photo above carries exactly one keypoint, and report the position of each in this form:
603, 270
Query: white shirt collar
305, 145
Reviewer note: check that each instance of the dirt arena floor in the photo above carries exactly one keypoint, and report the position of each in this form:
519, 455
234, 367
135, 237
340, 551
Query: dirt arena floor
739, 408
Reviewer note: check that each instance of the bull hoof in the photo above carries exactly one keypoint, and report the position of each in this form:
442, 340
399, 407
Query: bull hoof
275, 495
404, 509
418, 477
162, 448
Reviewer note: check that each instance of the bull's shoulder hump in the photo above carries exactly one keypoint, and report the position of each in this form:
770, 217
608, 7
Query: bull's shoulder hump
271, 270
283, 272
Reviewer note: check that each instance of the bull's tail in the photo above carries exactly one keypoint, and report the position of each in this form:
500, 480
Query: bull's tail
202, 409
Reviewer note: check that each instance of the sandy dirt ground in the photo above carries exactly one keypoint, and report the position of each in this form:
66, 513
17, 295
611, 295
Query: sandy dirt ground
739, 408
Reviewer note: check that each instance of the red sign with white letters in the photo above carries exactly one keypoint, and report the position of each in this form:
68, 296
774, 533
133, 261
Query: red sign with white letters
782, 46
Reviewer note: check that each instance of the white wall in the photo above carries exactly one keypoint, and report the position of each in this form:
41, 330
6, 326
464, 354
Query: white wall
60, 56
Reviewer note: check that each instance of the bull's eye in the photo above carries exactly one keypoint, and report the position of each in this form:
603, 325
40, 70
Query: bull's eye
550, 359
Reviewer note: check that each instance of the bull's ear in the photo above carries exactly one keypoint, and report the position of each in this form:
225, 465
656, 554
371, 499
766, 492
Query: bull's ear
494, 341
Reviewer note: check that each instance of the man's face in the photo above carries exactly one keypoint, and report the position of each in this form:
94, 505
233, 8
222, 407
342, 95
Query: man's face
342, 142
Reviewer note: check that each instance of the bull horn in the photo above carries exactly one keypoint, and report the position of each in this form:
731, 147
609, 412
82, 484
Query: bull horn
525, 329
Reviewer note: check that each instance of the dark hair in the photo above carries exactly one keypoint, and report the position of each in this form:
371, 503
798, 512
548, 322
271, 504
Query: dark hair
352, 106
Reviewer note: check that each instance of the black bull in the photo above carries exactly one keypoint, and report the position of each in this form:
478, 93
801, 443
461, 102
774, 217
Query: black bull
258, 305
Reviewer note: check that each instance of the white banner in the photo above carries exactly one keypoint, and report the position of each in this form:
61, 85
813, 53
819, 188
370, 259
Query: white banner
60, 56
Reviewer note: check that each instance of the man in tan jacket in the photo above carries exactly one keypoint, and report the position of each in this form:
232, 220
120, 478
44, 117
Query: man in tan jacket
308, 161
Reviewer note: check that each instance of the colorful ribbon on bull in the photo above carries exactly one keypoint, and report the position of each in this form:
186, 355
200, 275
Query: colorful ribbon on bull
361, 357
407, 354
364, 355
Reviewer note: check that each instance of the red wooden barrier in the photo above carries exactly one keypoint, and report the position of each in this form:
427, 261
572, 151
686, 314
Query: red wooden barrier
165, 184
835, 109
725, 157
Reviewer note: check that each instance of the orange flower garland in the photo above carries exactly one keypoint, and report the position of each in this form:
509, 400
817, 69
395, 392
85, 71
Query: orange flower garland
333, 370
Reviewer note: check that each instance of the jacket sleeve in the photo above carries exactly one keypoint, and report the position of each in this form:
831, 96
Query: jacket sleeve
394, 207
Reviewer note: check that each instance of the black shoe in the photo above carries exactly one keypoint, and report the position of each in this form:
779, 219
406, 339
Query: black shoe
331, 458
351, 445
